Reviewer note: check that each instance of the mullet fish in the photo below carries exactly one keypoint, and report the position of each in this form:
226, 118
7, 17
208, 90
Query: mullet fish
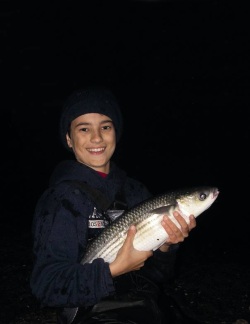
147, 217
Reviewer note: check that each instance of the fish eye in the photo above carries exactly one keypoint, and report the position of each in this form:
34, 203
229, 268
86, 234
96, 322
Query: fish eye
203, 196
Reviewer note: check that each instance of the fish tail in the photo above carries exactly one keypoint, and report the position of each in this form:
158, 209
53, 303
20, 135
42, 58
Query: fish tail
69, 314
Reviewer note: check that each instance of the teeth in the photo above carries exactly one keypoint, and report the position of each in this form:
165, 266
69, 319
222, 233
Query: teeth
96, 150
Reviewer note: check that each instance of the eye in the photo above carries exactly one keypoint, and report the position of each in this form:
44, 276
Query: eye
106, 127
84, 129
203, 196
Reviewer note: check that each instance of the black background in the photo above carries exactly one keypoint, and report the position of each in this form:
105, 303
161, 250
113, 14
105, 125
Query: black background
180, 70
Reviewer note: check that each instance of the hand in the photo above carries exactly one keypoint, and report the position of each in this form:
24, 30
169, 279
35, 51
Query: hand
176, 234
128, 258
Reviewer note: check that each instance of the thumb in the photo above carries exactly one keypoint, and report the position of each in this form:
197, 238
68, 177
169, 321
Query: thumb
130, 235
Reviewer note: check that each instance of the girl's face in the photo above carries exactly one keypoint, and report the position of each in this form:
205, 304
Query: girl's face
92, 138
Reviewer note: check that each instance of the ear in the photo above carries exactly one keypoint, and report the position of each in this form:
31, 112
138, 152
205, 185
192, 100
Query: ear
68, 139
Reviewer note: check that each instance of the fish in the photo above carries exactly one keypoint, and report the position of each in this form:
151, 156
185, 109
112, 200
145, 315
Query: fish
147, 217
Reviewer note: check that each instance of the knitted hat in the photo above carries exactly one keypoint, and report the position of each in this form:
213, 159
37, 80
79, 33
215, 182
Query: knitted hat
90, 100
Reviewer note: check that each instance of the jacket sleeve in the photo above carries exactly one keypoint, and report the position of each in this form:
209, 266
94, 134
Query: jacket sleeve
58, 278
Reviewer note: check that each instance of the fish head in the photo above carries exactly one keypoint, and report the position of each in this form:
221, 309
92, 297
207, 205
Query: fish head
196, 200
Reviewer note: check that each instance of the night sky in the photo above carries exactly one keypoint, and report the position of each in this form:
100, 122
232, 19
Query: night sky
180, 70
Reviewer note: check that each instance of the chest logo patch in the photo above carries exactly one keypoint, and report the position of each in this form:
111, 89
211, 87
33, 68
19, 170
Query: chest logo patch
96, 220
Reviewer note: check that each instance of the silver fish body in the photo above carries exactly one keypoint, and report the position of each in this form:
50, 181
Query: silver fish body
147, 217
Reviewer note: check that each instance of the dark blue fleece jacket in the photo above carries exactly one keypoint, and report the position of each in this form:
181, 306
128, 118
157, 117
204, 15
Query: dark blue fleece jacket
61, 233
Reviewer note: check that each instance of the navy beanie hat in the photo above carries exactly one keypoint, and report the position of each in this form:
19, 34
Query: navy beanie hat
90, 100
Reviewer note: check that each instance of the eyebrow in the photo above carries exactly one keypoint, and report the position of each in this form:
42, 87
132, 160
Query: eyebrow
86, 123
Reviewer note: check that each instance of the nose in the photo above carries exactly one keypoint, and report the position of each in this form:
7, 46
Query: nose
96, 136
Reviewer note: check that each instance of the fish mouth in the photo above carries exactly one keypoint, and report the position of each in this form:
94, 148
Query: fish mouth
216, 193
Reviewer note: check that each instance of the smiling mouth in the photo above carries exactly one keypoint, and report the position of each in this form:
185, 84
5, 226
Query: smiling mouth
96, 150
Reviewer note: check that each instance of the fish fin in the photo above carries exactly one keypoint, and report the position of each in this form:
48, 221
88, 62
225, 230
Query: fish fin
162, 210
70, 314
158, 246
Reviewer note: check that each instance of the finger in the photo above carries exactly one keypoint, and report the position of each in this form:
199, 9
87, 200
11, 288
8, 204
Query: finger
172, 224
184, 225
170, 227
192, 222
174, 232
